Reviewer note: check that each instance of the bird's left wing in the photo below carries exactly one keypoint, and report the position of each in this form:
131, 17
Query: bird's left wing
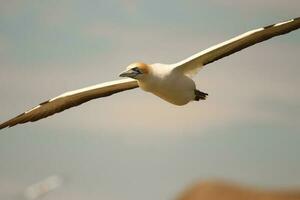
192, 64
71, 99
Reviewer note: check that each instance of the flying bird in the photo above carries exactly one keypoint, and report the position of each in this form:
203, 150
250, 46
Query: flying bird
171, 82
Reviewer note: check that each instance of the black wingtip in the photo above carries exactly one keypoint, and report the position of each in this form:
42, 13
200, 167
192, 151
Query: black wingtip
21, 114
45, 102
3, 127
269, 26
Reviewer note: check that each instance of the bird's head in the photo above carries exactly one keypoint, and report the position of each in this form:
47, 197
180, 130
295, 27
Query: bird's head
136, 71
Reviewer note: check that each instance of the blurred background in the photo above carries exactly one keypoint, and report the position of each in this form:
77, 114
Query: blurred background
133, 145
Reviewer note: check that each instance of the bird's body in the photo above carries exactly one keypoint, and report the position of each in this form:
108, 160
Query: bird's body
172, 86
172, 82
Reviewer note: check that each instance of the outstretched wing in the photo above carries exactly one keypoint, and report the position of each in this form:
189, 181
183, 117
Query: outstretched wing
195, 62
71, 99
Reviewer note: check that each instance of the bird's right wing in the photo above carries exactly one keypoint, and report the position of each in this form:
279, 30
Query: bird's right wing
192, 64
71, 99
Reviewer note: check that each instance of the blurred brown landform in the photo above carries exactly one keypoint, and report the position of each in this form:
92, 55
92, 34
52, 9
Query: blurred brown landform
228, 191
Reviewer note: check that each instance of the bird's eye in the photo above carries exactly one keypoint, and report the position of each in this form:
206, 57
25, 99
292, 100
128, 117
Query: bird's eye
136, 69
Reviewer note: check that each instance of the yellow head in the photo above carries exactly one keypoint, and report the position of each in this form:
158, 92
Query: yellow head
136, 70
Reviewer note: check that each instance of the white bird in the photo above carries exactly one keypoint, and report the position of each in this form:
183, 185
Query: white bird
171, 82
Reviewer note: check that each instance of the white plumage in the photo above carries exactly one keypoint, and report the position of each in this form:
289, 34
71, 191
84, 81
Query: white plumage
172, 83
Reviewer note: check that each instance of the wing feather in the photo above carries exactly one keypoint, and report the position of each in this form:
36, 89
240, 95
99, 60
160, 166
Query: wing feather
71, 99
214, 53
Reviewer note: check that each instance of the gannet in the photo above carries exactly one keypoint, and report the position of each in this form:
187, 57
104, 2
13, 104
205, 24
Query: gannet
171, 82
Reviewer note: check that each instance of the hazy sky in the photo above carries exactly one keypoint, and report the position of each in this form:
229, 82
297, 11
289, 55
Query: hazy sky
133, 145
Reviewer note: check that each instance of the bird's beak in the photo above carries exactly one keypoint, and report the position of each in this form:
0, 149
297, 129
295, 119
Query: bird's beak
129, 73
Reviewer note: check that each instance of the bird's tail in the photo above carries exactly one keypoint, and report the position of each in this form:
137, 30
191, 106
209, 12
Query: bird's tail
200, 95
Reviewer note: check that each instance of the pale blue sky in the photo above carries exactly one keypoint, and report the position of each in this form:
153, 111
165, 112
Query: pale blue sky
133, 145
